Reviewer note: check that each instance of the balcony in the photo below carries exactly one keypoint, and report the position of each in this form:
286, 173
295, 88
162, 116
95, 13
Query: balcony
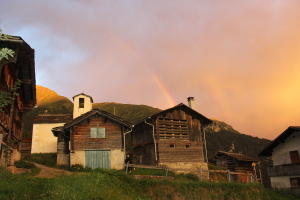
284, 170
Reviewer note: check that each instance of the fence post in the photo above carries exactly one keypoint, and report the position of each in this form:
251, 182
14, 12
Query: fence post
127, 167
167, 169
200, 174
247, 177
228, 177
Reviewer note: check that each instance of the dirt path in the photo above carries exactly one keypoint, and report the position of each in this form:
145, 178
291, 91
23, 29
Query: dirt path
48, 172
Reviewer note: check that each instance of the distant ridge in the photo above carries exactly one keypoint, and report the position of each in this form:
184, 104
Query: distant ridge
45, 96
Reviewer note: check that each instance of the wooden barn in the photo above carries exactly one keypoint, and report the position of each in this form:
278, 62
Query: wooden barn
234, 162
173, 137
94, 139
19, 67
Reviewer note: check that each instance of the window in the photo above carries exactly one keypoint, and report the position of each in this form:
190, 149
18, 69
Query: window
295, 182
188, 145
172, 145
81, 102
295, 156
97, 133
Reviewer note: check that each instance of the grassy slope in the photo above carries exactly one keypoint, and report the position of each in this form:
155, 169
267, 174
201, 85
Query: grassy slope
45, 96
129, 112
115, 185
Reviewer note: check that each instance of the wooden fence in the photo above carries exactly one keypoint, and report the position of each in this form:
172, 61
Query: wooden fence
250, 177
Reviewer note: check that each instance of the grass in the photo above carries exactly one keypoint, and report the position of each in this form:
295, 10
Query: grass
48, 159
114, 184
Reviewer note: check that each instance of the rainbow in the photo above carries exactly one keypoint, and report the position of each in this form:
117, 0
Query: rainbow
156, 79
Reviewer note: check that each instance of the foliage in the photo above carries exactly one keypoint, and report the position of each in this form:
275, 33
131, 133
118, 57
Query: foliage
7, 98
24, 164
212, 167
96, 185
79, 168
5, 52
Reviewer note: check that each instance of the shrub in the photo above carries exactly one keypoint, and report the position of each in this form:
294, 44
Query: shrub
24, 164
79, 168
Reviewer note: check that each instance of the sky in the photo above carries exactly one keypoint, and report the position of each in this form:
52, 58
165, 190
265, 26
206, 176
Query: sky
239, 59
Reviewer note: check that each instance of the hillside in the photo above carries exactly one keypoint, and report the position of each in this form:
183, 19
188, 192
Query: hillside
45, 96
223, 137
129, 112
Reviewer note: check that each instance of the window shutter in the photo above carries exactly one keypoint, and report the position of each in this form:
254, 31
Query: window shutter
101, 133
295, 156
93, 133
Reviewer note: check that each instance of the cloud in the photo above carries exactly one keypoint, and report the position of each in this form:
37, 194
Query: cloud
239, 59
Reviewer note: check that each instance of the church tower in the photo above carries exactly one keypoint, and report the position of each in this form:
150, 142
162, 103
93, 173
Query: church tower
82, 104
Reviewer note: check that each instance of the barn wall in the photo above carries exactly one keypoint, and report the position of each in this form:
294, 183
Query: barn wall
81, 135
141, 133
144, 155
193, 124
183, 151
187, 148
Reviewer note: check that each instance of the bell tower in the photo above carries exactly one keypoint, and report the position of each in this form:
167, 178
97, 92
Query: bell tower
82, 104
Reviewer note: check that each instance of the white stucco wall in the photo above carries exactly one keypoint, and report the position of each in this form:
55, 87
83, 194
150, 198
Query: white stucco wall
78, 157
87, 106
43, 140
117, 159
281, 153
281, 182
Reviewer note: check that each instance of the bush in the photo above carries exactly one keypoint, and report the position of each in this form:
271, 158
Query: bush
24, 164
79, 168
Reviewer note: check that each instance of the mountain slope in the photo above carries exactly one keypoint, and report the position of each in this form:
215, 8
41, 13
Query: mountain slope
129, 112
45, 96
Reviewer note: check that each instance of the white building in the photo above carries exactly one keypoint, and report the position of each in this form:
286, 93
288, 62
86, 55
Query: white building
285, 172
43, 140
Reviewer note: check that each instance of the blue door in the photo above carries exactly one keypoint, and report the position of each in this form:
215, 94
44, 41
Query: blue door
97, 159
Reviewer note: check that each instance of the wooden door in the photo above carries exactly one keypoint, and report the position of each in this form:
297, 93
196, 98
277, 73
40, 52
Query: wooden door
97, 159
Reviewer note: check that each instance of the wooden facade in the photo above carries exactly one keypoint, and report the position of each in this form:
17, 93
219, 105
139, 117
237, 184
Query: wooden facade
95, 130
19, 67
170, 137
234, 162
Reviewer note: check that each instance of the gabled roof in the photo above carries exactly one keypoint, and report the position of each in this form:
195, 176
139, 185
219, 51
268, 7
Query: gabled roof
84, 95
239, 157
100, 112
267, 151
53, 118
186, 109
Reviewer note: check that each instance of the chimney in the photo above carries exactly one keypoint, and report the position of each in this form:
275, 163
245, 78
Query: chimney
191, 102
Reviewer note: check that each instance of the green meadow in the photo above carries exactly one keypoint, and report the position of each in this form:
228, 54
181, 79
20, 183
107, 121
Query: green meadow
113, 184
